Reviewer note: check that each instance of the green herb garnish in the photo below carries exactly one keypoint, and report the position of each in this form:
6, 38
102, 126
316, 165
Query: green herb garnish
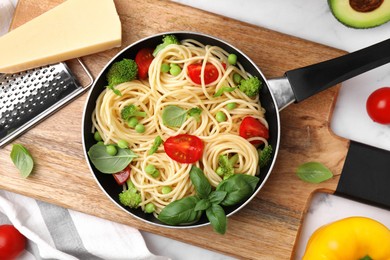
107, 163
314, 172
229, 192
22, 159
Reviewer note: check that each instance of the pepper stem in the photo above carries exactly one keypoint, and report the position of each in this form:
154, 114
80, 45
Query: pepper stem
367, 257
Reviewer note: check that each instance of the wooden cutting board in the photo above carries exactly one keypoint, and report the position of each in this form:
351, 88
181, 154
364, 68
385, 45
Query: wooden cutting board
267, 227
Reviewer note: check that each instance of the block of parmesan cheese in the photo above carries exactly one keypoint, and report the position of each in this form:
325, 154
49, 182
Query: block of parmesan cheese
72, 29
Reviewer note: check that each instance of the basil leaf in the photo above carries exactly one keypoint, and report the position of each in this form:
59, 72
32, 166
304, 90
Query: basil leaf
22, 159
106, 163
202, 205
238, 188
156, 144
180, 211
200, 182
217, 217
173, 116
314, 172
217, 197
195, 113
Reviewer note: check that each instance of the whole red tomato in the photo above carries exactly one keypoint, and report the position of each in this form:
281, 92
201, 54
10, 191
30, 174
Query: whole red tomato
378, 105
12, 242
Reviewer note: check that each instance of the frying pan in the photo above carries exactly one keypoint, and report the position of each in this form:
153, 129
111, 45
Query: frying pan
295, 86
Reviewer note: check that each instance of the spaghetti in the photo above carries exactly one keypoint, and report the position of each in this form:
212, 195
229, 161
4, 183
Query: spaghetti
162, 90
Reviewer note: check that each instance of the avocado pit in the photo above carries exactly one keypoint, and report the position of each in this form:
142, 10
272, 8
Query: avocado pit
365, 5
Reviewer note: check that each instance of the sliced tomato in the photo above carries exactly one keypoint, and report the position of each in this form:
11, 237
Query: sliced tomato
122, 176
211, 73
143, 59
184, 148
251, 127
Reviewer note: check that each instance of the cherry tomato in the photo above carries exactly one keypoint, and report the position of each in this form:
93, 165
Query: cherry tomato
211, 73
378, 105
12, 242
184, 148
251, 127
122, 176
143, 59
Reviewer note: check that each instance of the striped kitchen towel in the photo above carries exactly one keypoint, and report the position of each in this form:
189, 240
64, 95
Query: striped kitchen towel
54, 232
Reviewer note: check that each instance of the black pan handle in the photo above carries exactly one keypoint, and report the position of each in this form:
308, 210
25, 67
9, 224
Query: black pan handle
307, 81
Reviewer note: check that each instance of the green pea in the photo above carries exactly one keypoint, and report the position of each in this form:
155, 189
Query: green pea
151, 169
140, 128
100, 142
166, 190
111, 149
123, 144
165, 67
150, 208
232, 59
155, 174
175, 70
237, 78
97, 136
132, 122
220, 116
231, 106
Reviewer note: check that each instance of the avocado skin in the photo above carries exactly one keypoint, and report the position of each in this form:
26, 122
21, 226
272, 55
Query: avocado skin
367, 20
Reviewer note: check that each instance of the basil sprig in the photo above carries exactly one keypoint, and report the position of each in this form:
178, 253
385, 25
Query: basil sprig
107, 163
180, 212
238, 187
22, 159
229, 192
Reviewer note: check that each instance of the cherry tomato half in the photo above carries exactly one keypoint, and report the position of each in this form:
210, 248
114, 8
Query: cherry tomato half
122, 176
251, 127
378, 105
211, 73
143, 59
184, 148
12, 242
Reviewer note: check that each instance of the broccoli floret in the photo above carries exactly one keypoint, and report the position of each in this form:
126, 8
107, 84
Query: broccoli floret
167, 39
131, 111
130, 197
226, 165
265, 155
121, 71
250, 86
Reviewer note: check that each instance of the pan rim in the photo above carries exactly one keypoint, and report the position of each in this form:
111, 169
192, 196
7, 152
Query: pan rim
207, 36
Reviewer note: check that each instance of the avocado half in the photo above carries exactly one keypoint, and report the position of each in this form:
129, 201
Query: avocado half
371, 13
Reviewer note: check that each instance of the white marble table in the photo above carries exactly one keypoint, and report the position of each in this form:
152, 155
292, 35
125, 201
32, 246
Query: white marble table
311, 20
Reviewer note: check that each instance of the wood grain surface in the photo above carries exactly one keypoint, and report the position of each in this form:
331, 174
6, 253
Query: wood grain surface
267, 227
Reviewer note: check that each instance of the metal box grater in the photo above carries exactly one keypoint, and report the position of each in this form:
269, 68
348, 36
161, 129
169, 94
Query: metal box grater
30, 96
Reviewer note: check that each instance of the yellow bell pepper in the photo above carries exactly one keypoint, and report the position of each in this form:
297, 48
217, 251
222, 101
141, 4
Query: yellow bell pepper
353, 238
